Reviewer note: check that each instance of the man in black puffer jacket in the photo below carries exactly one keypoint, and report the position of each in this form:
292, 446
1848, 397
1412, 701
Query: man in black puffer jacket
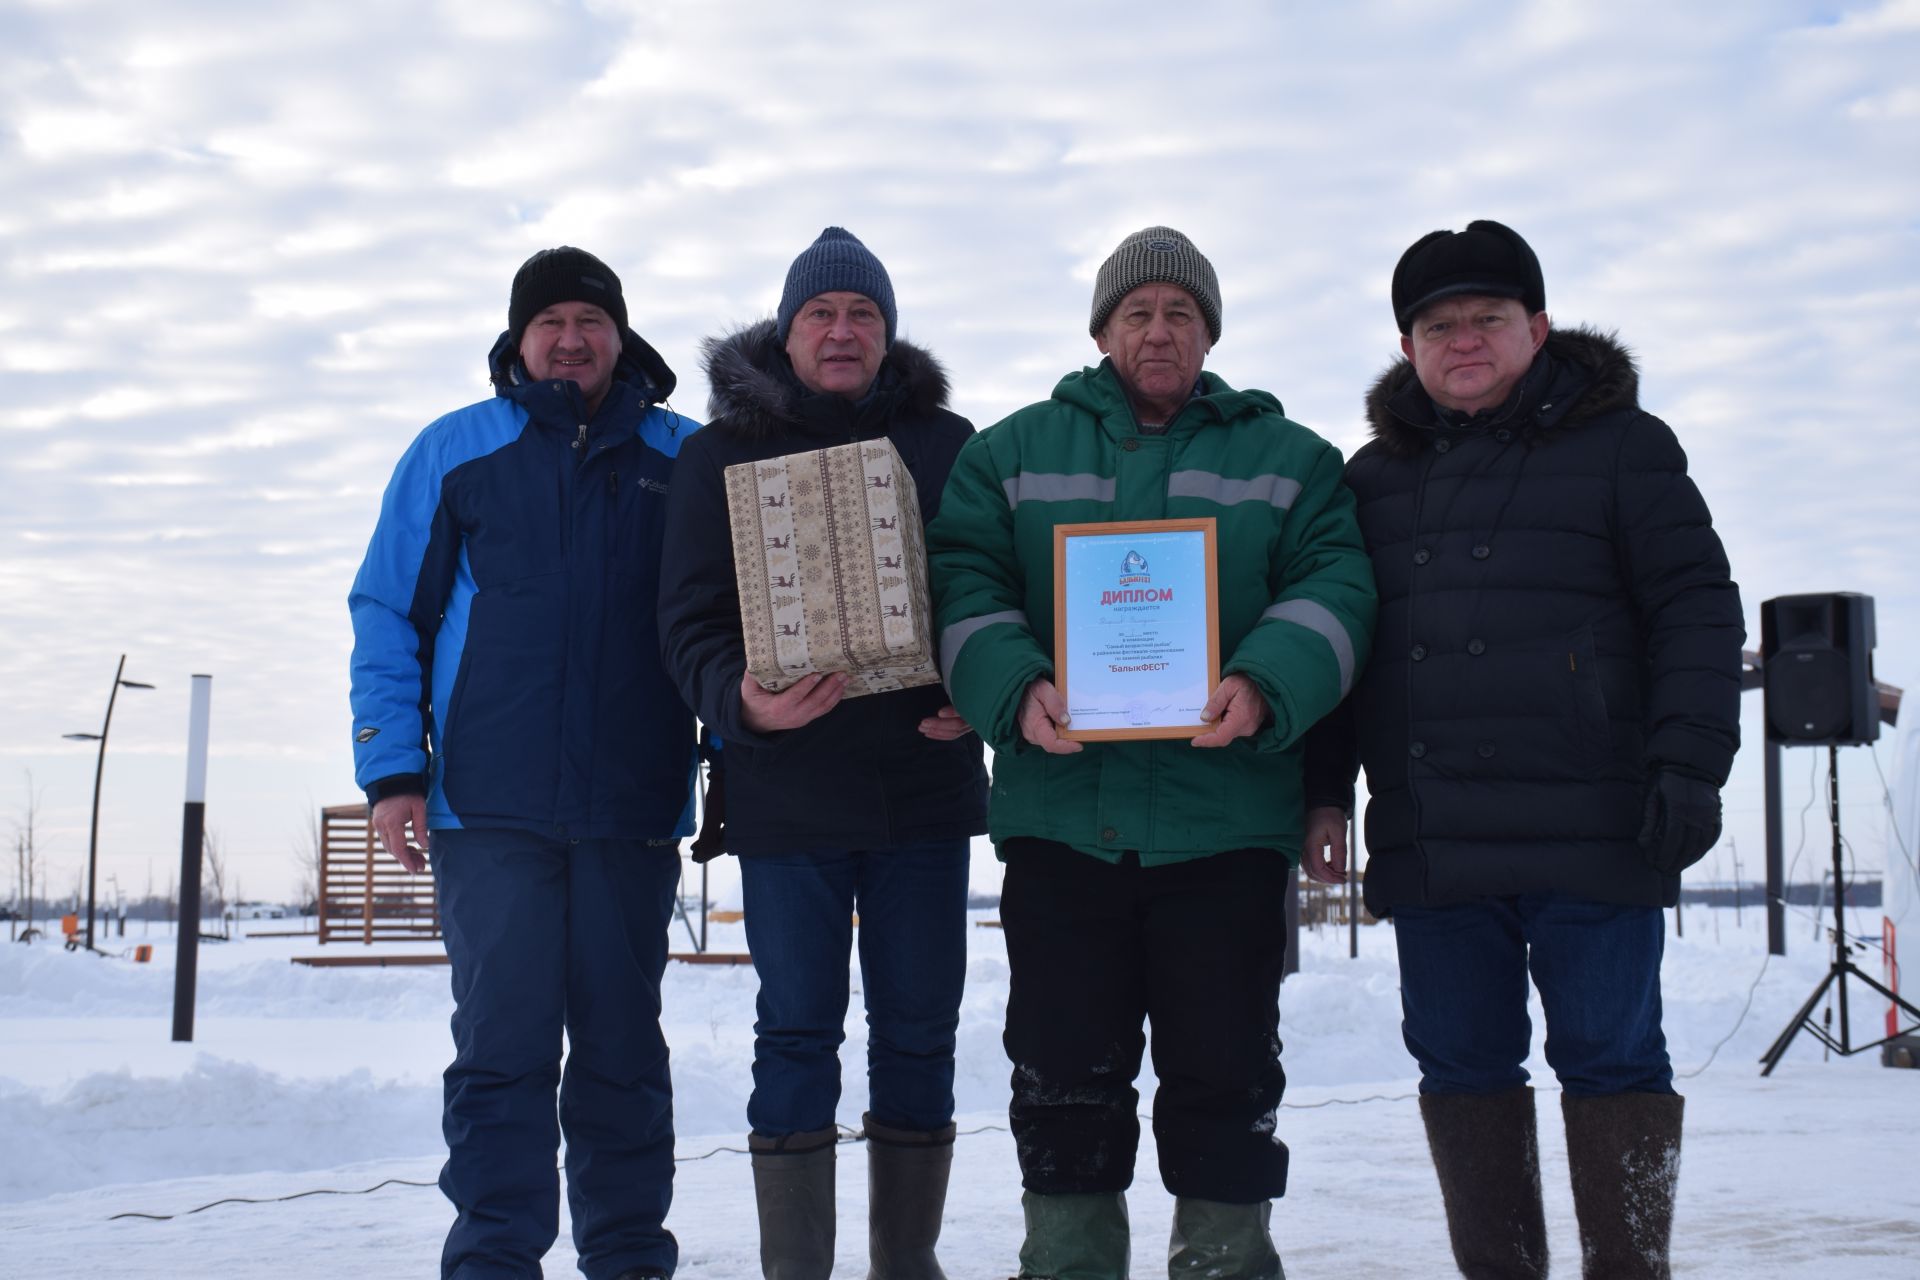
863, 805
1551, 708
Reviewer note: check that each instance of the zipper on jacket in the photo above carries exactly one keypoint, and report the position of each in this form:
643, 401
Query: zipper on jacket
580, 441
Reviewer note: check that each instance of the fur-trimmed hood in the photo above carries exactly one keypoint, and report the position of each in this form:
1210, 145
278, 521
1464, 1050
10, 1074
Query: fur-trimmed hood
754, 390
1579, 375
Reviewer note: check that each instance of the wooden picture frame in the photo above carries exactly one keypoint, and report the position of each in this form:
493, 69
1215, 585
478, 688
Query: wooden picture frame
1137, 635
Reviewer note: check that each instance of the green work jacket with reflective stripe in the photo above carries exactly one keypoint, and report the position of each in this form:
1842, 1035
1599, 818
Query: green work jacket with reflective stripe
1295, 592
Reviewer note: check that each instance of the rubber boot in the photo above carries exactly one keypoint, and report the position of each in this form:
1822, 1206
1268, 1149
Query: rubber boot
906, 1196
1624, 1154
793, 1190
1216, 1241
1076, 1236
1486, 1151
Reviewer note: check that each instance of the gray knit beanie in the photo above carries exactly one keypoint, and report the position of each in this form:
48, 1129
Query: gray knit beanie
1157, 255
836, 261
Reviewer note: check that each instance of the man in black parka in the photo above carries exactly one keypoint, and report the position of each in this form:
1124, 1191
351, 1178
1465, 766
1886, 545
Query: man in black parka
1550, 710
866, 805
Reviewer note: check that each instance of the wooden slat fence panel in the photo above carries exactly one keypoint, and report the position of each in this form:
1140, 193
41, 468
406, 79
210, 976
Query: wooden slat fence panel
365, 896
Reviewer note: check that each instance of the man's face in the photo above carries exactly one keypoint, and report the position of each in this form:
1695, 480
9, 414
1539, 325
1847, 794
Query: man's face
575, 341
1158, 339
836, 343
1470, 352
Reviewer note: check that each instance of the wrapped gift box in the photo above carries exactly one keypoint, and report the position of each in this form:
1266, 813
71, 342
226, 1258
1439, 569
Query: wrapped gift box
831, 563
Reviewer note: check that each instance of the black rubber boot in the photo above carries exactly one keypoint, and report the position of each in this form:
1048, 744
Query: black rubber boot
1216, 1241
1486, 1151
793, 1190
906, 1195
1078, 1236
1624, 1154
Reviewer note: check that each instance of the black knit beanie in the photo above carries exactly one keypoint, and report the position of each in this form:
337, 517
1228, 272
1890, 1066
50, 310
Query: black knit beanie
1486, 258
560, 275
1157, 255
834, 262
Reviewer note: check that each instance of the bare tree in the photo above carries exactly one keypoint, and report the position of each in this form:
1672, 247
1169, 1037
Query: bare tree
306, 854
29, 858
216, 868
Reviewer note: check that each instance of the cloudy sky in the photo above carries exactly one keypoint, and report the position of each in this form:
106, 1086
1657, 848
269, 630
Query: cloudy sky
247, 251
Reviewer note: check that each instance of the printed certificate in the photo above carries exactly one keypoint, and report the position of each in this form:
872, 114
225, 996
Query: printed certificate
1136, 647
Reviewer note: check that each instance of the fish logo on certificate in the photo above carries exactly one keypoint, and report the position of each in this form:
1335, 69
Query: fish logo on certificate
1136, 654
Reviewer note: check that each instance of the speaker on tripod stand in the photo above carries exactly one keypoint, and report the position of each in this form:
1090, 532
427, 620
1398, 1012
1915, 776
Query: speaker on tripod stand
1817, 669
1816, 656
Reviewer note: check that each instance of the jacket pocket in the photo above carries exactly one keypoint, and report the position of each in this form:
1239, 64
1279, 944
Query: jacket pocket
1589, 699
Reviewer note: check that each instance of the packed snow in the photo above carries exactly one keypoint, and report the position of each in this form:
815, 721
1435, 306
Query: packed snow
306, 1080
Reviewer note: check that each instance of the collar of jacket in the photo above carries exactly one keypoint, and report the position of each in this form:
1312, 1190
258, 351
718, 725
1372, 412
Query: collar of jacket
1098, 391
641, 379
1579, 375
755, 393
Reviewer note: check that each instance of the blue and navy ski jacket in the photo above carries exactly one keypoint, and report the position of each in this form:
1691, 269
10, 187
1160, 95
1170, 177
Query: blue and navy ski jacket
506, 653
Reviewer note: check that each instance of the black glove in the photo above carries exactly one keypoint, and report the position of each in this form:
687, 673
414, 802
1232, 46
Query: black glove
1682, 820
712, 840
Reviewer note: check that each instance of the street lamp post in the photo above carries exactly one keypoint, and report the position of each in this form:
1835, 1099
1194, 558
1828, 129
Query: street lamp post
99, 767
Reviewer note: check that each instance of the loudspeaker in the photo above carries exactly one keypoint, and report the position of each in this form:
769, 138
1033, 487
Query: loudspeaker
1817, 669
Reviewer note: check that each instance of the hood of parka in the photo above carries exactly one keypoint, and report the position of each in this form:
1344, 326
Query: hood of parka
1097, 390
638, 365
1579, 375
754, 391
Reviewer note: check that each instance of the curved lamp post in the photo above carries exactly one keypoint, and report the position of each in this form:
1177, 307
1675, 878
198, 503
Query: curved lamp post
93, 836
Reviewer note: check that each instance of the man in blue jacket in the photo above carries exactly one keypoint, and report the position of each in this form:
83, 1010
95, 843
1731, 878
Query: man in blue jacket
508, 698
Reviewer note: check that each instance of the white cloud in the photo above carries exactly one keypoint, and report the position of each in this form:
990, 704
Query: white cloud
248, 253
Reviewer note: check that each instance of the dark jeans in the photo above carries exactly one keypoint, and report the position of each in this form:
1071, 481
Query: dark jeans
545, 936
912, 901
1196, 949
1463, 988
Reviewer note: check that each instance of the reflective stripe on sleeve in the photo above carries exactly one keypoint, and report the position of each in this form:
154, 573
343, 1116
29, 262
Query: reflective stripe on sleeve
960, 632
1318, 618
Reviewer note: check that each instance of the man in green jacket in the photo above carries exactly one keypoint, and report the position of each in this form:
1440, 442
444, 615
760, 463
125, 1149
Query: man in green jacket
1145, 880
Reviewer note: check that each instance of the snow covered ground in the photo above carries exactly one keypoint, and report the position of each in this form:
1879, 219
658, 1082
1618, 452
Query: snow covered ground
304, 1079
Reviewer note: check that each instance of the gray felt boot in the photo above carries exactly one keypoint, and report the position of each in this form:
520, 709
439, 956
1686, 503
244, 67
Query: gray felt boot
1486, 1151
1624, 1154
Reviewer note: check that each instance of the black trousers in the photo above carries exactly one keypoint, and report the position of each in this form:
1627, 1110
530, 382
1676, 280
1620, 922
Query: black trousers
1196, 949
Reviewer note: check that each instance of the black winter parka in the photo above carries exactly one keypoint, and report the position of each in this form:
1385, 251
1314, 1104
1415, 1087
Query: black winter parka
862, 776
1556, 621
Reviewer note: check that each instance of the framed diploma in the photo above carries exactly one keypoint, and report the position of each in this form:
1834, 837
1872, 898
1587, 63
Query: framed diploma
1136, 634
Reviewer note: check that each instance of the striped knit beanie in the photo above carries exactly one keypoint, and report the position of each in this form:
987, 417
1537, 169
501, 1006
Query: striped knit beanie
834, 262
1157, 255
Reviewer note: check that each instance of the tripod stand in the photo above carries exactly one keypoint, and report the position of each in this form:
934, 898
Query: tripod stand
1842, 965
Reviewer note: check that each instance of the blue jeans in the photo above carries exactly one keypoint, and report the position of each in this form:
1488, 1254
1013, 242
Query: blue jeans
1463, 988
547, 936
912, 901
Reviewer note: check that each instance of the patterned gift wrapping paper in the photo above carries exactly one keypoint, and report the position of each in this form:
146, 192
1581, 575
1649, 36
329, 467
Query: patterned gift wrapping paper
831, 564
